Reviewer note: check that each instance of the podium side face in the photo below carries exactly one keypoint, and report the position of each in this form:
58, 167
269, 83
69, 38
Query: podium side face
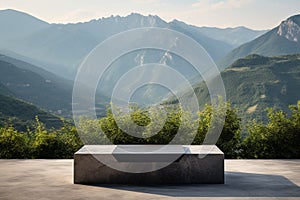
189, 168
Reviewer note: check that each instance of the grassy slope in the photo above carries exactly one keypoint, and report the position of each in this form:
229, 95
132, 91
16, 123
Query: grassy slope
259, 82
34, 88
22, 114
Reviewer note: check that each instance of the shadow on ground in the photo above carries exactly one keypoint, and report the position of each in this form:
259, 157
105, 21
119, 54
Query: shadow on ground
237, 184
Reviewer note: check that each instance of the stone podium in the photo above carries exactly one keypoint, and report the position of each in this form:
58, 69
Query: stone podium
185, 164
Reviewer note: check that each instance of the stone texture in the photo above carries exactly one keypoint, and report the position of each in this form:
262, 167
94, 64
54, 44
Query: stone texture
190, 165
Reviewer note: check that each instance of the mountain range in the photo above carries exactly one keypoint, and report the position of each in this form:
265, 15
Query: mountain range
256, 82
281, 40
60, 48
232, 36
22, 115
39, 87
38, 63
35, 85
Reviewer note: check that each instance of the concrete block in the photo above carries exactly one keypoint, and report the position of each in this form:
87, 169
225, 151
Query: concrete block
184, 164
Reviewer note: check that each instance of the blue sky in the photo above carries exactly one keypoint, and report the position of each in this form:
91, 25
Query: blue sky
256, 14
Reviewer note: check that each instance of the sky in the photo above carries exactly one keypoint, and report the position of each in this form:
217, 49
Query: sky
255, 14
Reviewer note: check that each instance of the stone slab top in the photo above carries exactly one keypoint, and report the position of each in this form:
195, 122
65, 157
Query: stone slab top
149, 149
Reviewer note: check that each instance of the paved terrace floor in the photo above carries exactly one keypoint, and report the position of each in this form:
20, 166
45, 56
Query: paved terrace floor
245, 179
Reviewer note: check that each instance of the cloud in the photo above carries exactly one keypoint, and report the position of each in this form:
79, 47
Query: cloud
145, 1
79, 15
218, 13
210, 5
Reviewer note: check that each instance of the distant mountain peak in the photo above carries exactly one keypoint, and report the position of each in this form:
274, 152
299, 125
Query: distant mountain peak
296, 19
143, 20
290, 29
138, 19
133, 14
19, 15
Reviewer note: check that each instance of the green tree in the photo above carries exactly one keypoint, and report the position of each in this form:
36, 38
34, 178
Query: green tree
13, 144
278, 138
68, 135
229, 140
46, 143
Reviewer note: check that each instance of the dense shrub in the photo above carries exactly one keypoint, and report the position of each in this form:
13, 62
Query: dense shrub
39, 142
229, 140
13, 144
168, 121
278, 138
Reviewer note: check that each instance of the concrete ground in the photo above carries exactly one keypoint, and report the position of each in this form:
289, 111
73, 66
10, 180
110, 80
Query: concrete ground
245, 179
